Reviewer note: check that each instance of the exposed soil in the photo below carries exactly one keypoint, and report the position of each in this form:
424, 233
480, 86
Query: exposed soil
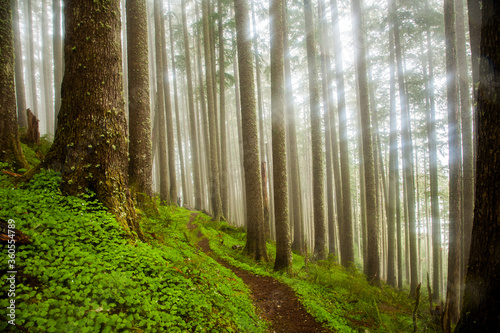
277, 303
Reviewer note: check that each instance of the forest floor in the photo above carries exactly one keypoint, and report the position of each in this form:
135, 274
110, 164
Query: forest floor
275, 301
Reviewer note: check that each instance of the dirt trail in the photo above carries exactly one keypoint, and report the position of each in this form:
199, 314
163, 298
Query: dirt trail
277, 303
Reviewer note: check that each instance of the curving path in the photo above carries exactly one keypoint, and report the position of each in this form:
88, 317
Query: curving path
277, 303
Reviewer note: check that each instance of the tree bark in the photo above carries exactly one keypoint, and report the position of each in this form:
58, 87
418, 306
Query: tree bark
160, 107
192, 113
481, 299
90, 146
11, 151
280, 185
295, 188
214, 163
140, 165
19, 75
451, 311
58, 57
224, 188
407, 147
320, 250
373, 255
346, 240
256, 242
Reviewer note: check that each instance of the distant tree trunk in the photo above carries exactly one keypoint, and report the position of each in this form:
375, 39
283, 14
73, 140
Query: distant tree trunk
332, 151
407, 147
140, 165
451, 311
260, 108
31, 56
481, 299
160, 107
11, 151
346, 240
316, 138
168, 113
176, 108
373, 262
214, 164
58, 57
433, 176
295, 188
256, 242
47, 71
94, 155
222, 107
466, 118
283, 244
195, 162
392, 224
20, 92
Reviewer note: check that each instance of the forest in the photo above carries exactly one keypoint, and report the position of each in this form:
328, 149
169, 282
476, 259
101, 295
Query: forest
250, 166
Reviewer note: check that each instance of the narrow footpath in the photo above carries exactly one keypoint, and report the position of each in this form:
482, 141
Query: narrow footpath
277, 303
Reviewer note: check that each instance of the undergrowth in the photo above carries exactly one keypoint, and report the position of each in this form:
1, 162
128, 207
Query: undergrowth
82, 273
340, 298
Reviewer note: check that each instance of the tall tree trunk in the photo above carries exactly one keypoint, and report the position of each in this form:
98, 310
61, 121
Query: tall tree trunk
168, 114
455, 158
140, 165
31, 56
256, 242
346, 240
260, 107
58, 57
332, 151
482, 290
466, 118
195, 158
316, 138
222, 107
392, 224
176, 108
160, 106
283, 245
19, 75
295, 188
9, 136
94, 155
47, 71
373, 256
214, 164
407, 145
433, 174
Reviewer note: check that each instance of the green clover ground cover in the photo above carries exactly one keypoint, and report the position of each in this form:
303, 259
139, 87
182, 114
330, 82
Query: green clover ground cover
83, 274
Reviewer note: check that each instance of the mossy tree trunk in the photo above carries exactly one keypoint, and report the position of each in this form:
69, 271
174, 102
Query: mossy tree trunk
10, 147
256, 241
281, 217
90, 147
224, 186
140, 166
481, 299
